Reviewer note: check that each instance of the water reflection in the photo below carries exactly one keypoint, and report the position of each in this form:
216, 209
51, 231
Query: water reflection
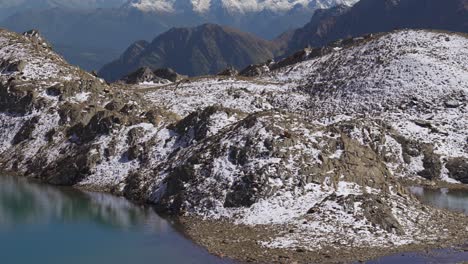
45, 224
456, 200
23, 202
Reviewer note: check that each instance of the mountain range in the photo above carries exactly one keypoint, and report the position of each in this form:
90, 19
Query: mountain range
91, 37
199, 51
371, 16
231, 6
310, 160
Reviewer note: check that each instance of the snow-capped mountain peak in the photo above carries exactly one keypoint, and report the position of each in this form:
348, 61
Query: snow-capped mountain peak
237, 6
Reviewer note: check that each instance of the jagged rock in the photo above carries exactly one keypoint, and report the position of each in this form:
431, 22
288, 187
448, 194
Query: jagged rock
458, 169
54, 90
231, 71
16, 98
100, 124
17, 66
25, 131
452, 104
432, 164
255, 70
73, 168
169, 74
37, 38
293, 59
144, 75
374, 209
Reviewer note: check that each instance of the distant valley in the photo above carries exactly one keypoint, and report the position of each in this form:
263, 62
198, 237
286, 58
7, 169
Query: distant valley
115, 28
201, 47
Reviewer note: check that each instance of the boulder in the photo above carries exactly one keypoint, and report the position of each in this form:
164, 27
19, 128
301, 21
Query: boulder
231, 71
255, 70
458, 169
169, 74
144, 75
26, 131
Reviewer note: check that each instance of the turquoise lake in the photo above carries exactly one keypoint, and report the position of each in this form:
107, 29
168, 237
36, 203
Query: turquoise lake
46, 224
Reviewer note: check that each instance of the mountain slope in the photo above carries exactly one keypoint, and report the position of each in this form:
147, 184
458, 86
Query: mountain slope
305, 160
206, 49
108, 31
371, 16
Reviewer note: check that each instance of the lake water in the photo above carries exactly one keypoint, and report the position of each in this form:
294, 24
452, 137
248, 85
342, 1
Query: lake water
456, 200
46, 224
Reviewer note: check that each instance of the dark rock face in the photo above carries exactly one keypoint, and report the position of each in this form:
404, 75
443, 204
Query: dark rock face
431, 161
254, 70
25, 131
100, 124
230, 71
158, 76
168, 74
17, 66
71, 169
202, 50
432, 164
143, 75
16, 98
372, 16
458, 169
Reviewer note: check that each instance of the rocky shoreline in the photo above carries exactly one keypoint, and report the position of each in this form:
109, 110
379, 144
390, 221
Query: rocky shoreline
241, 242
238, 242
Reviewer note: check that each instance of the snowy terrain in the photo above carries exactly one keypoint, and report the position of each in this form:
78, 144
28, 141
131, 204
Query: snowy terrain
318, 147
232, 6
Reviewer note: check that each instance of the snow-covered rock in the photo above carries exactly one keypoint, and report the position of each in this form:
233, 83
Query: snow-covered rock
318, 146
232, 6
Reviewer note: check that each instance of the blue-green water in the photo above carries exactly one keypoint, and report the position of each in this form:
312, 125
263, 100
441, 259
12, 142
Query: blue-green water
46, 224
49, 225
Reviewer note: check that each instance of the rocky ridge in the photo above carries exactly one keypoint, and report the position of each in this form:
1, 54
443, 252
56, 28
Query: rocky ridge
373, 16
317, 145
230, 6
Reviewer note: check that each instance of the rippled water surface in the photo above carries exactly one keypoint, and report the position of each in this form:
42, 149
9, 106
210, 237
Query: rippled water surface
46, 224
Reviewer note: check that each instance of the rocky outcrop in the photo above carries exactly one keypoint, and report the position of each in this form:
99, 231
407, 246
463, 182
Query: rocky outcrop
373, 16
317, 147
169, 74
144, 75
230, 71
458, 169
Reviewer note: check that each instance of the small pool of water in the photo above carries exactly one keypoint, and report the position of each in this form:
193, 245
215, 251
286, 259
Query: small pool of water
455, 200
46, 224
